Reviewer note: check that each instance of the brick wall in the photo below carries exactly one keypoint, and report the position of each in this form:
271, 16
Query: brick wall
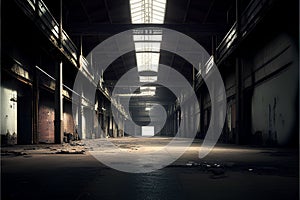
68, 123
46, 122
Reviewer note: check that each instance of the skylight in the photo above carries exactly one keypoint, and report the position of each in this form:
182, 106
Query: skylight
145, 88
147, 11
147, 61
147, 46
143, 38
148, 93
147, 42
148, 79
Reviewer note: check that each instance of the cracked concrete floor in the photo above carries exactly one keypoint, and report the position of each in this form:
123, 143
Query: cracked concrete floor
228, 172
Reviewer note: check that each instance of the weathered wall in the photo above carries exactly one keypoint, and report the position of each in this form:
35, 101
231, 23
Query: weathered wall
274, 102
68, 122
46, 119
8, 111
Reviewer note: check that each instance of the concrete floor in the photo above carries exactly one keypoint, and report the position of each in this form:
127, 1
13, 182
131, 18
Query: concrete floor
228, 172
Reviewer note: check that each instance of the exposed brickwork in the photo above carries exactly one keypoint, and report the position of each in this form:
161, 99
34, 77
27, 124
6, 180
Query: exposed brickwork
46, 122
68, 123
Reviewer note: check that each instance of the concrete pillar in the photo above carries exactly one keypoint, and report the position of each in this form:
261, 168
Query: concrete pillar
192, 116
185, 119
110, 125
173, 120
238, 78
238, 101
79, 117
176, 121
35, 107
58, 125
202, 130
180, 123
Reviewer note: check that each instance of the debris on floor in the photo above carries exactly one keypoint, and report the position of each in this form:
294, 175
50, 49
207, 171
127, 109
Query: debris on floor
191, 164
70, 152
77, 147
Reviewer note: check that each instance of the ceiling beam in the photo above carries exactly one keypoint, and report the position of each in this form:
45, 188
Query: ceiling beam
186, 12
110, 29
208, 11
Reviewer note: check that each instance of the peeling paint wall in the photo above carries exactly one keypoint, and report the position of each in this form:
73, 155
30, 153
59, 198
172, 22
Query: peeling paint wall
274, 101
8, 111
46, 120
68, 122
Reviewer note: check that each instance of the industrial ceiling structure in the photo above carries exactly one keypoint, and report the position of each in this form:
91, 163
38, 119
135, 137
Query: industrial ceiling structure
89, 23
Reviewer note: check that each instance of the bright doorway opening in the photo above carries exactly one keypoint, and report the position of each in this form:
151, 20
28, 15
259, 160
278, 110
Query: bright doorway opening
147, 131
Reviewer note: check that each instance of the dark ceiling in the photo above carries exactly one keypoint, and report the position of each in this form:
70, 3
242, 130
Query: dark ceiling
92, 21
96, 20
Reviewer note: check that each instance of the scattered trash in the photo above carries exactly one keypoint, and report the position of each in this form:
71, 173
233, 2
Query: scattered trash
77, 143
20, 153
191, 163
217, 165
13, 153
70, 152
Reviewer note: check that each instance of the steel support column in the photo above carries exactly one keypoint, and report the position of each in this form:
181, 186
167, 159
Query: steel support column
35, 107
58, 125
238, 79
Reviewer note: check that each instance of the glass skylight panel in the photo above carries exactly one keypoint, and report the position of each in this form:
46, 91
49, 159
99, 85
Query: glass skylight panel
147, 11
147, 41
149, 31
147, 61
147, 46
146, 88
135, 1
150, 38
148, 79
148, 93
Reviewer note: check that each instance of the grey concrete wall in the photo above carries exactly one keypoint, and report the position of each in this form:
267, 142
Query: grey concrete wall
8, 111
274, 102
